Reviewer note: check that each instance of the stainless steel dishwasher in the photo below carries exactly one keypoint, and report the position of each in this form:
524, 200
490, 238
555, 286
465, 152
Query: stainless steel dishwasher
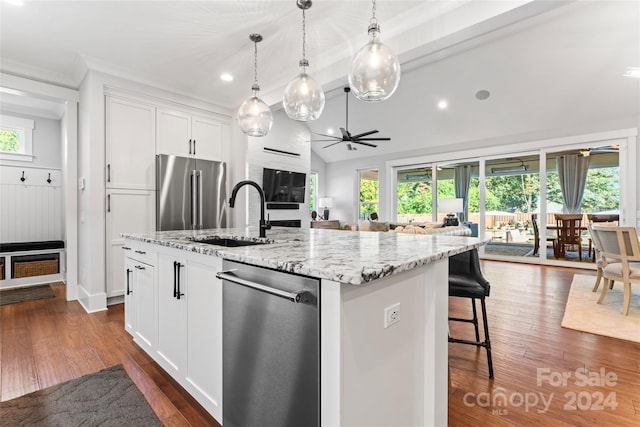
271, 341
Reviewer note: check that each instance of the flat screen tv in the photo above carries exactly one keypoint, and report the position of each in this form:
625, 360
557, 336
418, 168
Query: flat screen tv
283, 186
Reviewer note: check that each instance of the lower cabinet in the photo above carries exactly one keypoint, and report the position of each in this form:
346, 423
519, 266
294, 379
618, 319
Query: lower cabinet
173, 295
185, 306
140, 296
203, 378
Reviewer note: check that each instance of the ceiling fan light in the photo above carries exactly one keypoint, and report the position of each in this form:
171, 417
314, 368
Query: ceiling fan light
375, 70
303, 98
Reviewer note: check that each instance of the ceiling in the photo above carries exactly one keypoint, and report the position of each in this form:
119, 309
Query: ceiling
184, 46
547, 64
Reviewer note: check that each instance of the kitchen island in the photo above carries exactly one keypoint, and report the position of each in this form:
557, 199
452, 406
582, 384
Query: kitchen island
372, 372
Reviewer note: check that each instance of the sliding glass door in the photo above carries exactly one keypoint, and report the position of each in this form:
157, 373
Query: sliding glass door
512, 201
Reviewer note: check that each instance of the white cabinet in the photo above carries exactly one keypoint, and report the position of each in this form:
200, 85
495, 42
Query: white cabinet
182, 304
128, 211
204, 334
140, 300
173, 296
183, 134
130, 144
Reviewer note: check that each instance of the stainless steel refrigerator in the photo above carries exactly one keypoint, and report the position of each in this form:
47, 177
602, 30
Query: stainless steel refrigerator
191, 193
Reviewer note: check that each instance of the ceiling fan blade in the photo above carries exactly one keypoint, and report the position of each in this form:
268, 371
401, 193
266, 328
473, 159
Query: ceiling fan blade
374, 139
330, 145
364, 143
365, 134
328, 136
324, 140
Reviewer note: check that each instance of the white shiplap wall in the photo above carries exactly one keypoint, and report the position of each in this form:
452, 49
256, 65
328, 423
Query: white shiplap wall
30, 210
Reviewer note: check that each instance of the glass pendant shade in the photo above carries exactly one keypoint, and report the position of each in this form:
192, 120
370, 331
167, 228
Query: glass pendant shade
254, 116
375, 70
303, 98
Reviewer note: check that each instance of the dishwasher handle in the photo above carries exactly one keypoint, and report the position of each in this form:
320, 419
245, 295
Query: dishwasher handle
296, 297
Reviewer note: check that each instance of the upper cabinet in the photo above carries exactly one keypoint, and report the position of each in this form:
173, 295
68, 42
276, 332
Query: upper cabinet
183, 134
130, 144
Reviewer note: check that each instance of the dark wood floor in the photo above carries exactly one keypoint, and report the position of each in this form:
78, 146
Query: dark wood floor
46, 342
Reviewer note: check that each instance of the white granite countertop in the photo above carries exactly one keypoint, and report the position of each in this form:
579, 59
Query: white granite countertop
352, 257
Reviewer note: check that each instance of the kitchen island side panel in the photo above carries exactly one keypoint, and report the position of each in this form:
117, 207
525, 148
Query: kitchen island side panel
386, 376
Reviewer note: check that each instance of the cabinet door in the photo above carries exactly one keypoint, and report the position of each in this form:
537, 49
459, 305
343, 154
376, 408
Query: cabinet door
172, 308
128, 211
130, 144
208, 138
174, 132
144, 289
204, 350
130, 293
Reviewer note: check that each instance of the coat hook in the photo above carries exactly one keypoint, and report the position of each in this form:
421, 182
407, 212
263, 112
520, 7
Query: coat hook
22, 178
49, 179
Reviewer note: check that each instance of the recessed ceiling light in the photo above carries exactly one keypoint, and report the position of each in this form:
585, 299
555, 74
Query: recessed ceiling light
226, 77
632, 72
482, 94
15, 2
443, 104
330, 131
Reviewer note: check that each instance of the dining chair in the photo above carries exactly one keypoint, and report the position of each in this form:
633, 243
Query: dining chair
466, 281
611, 219
598, 256
536, 236
568, 229
619, 243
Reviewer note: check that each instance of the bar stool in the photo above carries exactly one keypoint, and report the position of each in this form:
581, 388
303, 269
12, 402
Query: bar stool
466, 281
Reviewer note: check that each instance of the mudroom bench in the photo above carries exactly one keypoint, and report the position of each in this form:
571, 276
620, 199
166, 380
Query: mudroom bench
30, 263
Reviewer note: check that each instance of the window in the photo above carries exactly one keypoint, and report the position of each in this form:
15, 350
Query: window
16, 138
313, 191
369, 190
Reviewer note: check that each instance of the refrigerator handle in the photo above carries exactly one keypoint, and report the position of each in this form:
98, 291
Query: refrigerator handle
194, 200
200, 196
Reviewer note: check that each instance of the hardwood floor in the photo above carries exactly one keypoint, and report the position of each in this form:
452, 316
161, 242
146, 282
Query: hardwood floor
46, 342
531, 351
50, 341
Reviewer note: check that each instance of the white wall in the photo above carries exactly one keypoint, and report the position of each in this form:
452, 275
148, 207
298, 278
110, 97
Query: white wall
318, 165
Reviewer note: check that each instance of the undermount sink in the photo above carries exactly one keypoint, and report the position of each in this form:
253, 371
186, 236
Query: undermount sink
221, 241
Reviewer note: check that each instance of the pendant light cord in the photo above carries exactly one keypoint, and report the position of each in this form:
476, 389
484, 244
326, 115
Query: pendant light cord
255, 63
373, 20
304, 34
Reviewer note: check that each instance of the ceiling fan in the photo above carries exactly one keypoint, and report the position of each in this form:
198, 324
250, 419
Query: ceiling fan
346, 135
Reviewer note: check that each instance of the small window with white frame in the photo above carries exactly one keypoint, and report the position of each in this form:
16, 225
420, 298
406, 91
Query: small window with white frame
16, 134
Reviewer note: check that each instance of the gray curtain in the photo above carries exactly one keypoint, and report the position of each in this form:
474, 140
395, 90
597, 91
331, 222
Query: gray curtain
462, 179
572, 173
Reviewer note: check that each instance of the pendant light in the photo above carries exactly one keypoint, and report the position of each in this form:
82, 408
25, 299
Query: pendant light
375, 70
303, 98
254, 116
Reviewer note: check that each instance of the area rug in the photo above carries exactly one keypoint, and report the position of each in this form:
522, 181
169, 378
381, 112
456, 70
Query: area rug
512, 249
582, 312
105, 398
30, 293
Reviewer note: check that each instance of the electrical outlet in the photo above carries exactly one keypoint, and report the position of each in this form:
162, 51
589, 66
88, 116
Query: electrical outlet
391, 315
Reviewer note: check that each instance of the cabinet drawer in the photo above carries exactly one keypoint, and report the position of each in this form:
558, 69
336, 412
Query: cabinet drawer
139, 252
